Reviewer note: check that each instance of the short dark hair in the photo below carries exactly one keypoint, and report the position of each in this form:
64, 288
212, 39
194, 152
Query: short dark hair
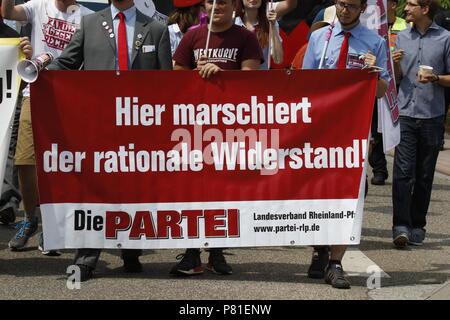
433, 6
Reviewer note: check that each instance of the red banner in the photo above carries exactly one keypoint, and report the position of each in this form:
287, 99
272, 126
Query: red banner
171, 140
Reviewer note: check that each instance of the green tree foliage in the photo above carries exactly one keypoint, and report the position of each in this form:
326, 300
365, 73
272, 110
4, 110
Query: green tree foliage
402, 4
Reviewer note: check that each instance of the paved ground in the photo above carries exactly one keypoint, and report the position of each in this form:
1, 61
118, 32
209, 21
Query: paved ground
259, 273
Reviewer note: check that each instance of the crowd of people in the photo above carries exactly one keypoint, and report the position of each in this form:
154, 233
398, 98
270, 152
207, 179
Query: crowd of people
251, 28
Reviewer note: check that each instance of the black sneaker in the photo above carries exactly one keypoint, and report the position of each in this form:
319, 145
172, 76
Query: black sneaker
26, 229
335, 276
319, 262
217, 262
190, 264
378, 180
86, 272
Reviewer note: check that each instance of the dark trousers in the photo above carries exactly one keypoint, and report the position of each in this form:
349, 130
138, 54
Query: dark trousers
377, 158
414, 165
89, 257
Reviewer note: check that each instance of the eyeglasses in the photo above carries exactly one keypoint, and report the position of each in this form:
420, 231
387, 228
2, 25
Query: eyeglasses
351, 7
409, 4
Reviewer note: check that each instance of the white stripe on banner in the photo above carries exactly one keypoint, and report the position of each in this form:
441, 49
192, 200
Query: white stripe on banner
9, 88
195, 224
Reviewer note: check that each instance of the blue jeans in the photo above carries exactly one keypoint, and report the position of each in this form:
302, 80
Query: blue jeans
414, 165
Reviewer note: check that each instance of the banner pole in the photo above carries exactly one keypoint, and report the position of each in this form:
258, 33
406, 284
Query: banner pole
210, 25
327, 41
269, 57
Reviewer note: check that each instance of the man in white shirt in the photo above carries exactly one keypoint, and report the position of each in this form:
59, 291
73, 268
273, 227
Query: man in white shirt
54, 22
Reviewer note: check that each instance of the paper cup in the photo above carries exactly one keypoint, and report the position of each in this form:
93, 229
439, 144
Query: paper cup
425, 70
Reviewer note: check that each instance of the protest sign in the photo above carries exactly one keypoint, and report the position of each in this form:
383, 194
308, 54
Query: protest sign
164, 159
9, 89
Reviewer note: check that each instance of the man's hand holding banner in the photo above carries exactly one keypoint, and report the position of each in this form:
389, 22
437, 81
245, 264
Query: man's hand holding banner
162, 159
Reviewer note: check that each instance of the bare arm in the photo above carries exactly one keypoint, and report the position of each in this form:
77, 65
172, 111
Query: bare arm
178, 66
277, 47
444, 80
285, 7
12, 12
381, 88
250, 64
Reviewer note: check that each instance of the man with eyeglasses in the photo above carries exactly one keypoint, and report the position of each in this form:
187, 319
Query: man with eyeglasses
351, 45
421, 106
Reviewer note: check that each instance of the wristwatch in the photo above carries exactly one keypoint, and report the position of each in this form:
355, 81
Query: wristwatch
435, 79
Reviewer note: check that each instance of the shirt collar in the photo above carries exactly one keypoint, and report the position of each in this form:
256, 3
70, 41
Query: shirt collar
432, 26
129, 13
355, 31
238, 21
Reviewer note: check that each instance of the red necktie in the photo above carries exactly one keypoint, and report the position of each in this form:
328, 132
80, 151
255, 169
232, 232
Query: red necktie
342, 61
122, 43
